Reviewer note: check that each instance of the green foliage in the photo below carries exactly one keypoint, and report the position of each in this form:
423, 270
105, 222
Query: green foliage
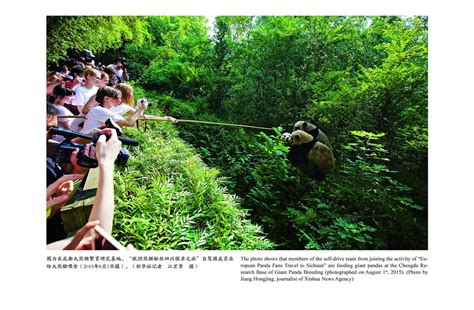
169, 105
367, 73
167, 199
255, 167
174, 60
360, 206
97, 33
367, 187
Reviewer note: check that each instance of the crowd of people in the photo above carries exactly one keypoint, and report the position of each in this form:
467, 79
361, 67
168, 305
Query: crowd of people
82, 99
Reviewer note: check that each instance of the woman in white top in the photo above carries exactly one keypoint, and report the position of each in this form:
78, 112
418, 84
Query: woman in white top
109, 97
126, 105
104, 81
127, 100
62, 95
83, 93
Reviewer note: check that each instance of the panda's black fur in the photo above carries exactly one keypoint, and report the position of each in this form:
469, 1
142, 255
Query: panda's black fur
314, 157
313, 130
297, 153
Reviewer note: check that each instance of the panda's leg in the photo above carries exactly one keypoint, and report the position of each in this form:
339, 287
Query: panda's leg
318, 174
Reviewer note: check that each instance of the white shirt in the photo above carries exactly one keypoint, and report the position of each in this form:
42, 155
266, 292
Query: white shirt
83, 94
74, 126
74, 88
62, 122
121, 109
97, 117
119, 73
63, 111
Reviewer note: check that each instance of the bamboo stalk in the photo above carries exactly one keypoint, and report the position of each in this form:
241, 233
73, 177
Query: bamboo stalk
183, 121
221, 124
71, 116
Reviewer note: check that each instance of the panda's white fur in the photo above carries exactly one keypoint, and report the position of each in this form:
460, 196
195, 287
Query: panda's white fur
318, 157
313, 130
286, 137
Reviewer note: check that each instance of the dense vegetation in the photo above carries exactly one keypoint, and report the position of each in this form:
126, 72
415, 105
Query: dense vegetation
168, 199
362, 79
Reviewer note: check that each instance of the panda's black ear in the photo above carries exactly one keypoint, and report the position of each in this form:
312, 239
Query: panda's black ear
305, 124
296, 137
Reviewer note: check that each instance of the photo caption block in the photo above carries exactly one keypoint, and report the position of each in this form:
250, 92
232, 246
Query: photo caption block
343, 269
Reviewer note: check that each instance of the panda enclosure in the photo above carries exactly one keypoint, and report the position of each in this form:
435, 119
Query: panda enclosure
363, 80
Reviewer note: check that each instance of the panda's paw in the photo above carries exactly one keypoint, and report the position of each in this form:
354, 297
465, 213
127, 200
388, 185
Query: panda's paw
286, 137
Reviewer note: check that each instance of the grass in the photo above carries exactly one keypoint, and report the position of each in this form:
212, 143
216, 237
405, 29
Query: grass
167, 198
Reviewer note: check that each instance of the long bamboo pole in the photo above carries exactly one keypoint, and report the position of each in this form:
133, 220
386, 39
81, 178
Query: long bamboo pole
221, 124
184, 121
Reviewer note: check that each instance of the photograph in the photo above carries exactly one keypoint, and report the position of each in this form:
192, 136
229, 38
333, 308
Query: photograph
242, 132
249, 154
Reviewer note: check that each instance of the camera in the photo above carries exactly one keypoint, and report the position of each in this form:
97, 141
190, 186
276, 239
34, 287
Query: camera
144, 101
61, 153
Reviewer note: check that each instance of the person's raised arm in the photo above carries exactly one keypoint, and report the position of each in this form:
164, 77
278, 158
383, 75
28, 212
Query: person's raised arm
106, 153
89, 105
159, 118
103, 209
141, 107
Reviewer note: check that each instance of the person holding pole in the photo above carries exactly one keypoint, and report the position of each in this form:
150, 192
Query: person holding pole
126, 106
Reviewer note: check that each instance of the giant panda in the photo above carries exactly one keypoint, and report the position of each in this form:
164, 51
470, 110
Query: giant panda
314, 131
311, 155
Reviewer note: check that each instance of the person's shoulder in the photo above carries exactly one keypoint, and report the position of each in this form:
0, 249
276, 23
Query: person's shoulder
122, 108
99, 110
80, 89
62, 109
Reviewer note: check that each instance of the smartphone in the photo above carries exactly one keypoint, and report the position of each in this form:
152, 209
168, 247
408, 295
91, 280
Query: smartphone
104, 241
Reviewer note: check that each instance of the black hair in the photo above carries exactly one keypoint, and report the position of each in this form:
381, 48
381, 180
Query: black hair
61, 91
110, 71
77, 70
50, 109
113, 80
107, 91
